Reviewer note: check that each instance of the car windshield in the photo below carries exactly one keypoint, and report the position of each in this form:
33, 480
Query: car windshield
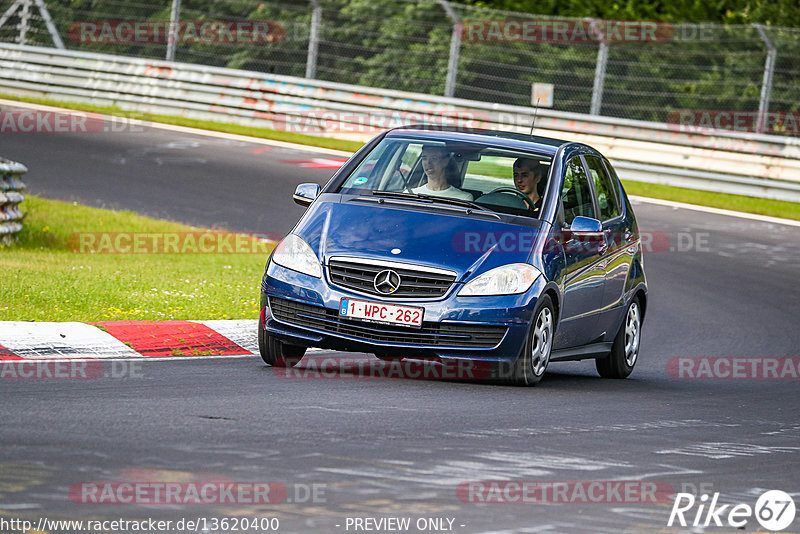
494, 178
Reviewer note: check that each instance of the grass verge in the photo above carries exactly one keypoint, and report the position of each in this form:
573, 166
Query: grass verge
47, 276
761, 206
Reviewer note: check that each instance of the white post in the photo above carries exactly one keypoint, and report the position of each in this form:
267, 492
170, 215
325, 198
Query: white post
455, 50
766, 84
313, 39
599, 78
174, 20
24, 21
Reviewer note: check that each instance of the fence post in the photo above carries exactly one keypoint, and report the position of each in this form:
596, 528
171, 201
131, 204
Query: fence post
24, 21
599, 78
174, 19
766, 84
455, 50
313, 40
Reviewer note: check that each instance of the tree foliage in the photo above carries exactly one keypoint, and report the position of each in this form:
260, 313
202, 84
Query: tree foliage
768, 12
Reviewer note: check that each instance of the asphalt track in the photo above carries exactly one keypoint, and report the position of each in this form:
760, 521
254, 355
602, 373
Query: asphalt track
721, 287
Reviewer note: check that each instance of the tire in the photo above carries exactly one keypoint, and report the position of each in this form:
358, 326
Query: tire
277, 353
625, 350
531, 364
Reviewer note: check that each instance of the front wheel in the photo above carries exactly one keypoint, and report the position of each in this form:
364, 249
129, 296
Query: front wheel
532, 362
625, 350
277, 353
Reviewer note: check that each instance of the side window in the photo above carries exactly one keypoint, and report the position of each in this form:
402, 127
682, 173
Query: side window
606, 197
576, 196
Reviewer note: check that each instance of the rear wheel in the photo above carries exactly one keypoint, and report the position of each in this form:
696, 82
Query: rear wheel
625, 350
277, 353
532, 362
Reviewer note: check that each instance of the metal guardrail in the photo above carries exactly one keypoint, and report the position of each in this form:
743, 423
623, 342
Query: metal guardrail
743, 163
11, 187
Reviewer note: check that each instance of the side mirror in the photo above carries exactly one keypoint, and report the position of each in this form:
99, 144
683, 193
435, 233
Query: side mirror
306, 193
585, 226
586, 237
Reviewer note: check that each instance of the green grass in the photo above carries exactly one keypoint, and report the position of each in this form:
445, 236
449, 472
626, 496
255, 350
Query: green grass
47, 278
761, 206
775, 208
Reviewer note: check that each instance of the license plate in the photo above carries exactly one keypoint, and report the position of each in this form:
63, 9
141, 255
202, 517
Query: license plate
381, 313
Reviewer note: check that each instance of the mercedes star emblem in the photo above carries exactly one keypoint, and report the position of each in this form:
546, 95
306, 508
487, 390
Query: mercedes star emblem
386, 282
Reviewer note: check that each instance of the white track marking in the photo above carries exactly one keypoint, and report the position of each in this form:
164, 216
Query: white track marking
36, 341
242, 332
715, 211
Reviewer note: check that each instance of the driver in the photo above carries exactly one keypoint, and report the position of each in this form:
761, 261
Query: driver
528, 172
438, 165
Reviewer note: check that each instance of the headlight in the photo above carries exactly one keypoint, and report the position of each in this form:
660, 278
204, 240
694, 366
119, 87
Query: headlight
295, 254
505, 280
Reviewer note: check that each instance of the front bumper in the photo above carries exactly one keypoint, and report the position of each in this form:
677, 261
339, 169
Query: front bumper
304, 310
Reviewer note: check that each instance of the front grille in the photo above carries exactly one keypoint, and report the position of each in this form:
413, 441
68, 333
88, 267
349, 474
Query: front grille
430, 334
414, 283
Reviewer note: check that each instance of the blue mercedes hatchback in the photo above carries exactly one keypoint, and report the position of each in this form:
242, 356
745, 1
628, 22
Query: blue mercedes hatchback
493, 247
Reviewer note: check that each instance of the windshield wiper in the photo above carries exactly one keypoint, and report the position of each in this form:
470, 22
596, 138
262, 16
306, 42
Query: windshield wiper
433, 198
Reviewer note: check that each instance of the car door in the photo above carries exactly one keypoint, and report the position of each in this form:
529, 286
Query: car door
584, 272
617, 258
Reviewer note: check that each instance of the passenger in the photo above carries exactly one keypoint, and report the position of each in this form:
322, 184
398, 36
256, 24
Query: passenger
528, 172
439, 166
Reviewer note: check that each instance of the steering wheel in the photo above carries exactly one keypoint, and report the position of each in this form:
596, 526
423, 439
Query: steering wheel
525, 198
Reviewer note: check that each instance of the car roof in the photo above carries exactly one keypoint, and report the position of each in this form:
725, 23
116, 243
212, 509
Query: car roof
511, 140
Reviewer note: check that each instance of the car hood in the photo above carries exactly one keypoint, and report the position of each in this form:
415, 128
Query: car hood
465, 244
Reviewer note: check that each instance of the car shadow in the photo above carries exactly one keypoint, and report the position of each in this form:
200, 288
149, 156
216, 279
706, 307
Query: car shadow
358, 366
